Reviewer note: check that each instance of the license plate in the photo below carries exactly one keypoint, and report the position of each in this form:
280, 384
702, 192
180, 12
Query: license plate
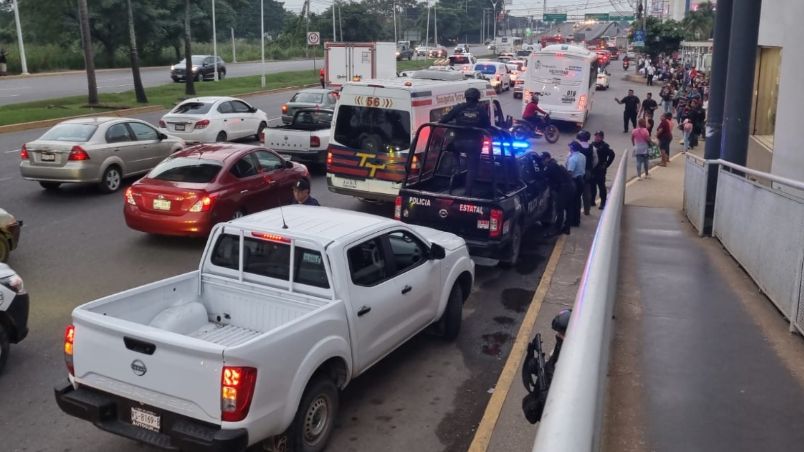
161, 204
47, 157
145, 419
349, 183
179, 127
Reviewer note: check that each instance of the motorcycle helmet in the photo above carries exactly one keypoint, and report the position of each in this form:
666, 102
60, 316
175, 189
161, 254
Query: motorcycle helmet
561, 321
472, 95
583, 135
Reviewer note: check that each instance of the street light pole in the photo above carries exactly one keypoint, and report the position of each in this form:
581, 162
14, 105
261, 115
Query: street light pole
262, 43
214, 44
427, 38
334, 36
396, 38
234, 47
494, 18
23, 62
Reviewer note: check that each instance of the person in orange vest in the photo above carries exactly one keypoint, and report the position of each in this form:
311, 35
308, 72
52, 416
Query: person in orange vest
321, 78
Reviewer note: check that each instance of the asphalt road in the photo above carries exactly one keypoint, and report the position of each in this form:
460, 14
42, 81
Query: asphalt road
428, 395
74, 83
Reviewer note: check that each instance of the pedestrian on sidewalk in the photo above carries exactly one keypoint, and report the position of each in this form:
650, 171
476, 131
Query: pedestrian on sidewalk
687, 127
576, 165
562, 191
665, 136
667, 97
583, 138
321, 78
650, 71
631, 103
649, 106
605, 157
640, 138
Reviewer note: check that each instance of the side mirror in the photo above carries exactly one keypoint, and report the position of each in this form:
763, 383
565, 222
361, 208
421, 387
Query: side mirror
437, 252
288, 164
162, 136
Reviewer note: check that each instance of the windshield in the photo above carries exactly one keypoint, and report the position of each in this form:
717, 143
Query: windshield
308, 98
185, 169
460, 60
193, 108
486, 68
373, 129
197, 61
70, 132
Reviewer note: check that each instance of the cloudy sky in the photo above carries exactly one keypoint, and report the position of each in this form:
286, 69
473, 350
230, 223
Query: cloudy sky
520, 7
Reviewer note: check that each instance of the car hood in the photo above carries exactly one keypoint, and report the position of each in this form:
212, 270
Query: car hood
6, 218
448, 240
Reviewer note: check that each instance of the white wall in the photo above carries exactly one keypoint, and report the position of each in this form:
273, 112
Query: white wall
773, 15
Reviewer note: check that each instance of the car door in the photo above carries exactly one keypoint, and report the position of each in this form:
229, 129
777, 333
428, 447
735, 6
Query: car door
230, 123
278, 180
249, 122
121, 143
418, 279
248, 188
151, 147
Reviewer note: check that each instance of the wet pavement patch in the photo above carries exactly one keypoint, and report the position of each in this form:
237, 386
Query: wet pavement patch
528, 262
494, 343
504, 320
516, 300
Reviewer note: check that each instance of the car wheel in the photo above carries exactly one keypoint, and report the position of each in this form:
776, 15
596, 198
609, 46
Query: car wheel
111, 180
50, 185
262, 127
5, 249
3, 347
198, 77
516, 244
450, 322
315, 417
221, 137
221, 75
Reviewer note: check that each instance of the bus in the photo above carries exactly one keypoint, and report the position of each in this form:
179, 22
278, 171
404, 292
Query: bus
564, 76
508, 44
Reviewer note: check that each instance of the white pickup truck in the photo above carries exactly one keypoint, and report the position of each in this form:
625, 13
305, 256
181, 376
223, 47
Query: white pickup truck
286, 308
306, 137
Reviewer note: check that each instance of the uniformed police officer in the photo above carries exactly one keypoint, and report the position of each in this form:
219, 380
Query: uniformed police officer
470, 114
562, 189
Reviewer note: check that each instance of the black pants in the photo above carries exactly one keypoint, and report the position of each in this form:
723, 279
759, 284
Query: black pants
586, 197
472, 149
629, 116
562, 203
599, 185
574, 214
650, 80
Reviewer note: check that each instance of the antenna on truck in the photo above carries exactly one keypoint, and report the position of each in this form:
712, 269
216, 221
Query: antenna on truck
282, 213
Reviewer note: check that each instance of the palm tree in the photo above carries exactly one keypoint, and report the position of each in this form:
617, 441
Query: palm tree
189, 87
139, 91
699, 24
89, 56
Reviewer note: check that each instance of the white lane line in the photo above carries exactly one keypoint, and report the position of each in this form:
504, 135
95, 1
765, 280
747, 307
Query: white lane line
11, 152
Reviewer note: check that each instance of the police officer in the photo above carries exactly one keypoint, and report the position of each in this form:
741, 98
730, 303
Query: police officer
605, 157
562, 189
582, 139
301, 193
469, 142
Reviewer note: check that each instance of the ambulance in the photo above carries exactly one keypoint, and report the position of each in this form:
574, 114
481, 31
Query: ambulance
376, 120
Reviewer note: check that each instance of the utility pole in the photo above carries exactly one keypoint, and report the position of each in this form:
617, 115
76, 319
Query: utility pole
23, 62
334, 36
262, 43
427, 38
89, 57
214, 44
234, 48
494, 18
396, 37
435, 23
340, 21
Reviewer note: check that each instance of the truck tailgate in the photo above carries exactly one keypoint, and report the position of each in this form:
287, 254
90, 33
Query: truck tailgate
158, 368
287, 139
467, 218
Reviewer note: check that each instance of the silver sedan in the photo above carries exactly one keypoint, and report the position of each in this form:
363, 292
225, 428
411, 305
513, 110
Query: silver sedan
100, 150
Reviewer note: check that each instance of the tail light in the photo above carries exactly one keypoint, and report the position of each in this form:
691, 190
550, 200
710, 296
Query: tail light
204, 204
202, 124
329, 159
486, 149
24, 153
130, 197
237, 388
497, 77
495, 223
262, 137
398, 208
315, 141
162, 124
582, 102
284, 109
78, 153
69, 341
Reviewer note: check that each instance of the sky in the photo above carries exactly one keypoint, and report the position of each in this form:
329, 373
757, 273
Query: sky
517, 7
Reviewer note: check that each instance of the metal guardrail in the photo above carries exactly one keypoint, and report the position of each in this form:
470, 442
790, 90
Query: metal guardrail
572, 417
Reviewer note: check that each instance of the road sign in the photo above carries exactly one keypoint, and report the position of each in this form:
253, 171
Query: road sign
621, 18
554, 17
313, 38
528, 32
596, 16
639, 39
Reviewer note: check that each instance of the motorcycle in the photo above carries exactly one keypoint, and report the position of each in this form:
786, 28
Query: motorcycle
625, 65
522, 130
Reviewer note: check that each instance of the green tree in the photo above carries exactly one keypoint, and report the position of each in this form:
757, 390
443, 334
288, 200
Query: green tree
135, 57
89, 57
189, 87
699, 24
661, 36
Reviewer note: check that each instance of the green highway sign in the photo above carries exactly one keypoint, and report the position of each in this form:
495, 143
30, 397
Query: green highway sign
621, 18
528, 32
554, 17
596, 16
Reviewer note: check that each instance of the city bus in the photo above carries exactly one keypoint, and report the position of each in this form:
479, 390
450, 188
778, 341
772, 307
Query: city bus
564, 76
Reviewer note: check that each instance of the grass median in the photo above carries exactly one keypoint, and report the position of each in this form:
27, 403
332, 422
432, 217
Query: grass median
163, 95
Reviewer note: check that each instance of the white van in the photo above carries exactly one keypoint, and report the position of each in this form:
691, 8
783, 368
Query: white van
565, 77
497, 73
376, 120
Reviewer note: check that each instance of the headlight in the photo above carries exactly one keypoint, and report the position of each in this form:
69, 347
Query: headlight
195, 68
172, 67
13, 282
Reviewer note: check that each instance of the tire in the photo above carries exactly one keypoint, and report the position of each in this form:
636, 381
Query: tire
3, 347
221, 137
308, 432
450, 321
521, 132
111, 180
551, 134
198, 77
221, 75
516, 245
260, 128
50, 186
5, 249
498, 89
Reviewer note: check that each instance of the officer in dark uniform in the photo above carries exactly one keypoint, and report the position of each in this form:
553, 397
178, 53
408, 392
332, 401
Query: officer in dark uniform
562, 190
470, 114
605, 157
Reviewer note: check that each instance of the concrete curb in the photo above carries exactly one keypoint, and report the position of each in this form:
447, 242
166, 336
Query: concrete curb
125, 112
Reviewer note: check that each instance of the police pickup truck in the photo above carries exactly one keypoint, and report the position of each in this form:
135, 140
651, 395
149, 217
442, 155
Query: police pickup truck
13, 311
510, 192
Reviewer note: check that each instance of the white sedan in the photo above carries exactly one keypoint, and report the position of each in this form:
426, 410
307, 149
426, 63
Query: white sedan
210, 119
602, 80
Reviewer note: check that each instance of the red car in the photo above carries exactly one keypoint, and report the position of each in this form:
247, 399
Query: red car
193, 189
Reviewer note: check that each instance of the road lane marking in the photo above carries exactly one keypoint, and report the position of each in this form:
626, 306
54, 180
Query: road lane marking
13, 151
480, 443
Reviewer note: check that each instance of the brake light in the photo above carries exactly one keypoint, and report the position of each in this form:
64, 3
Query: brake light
204, 204
237, 388
78, 153
315, 141
329, 158
130, 197
162, 124
69, 342
284, 108
495, 223
582, 102
24, 153
398, 208
270, 237
262, 137
497, 77
202, 124
486, 149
